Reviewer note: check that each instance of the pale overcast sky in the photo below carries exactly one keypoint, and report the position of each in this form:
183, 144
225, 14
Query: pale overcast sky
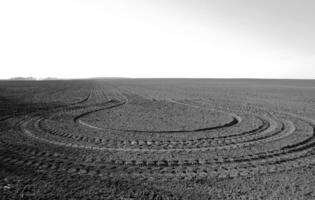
161, 38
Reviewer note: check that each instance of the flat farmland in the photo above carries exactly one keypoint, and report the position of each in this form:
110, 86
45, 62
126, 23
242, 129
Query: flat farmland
157, 139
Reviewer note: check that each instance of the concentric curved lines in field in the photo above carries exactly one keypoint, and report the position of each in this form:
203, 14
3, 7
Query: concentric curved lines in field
223, 172
235, 120
279, 141
269, 125
264, 127
250, 141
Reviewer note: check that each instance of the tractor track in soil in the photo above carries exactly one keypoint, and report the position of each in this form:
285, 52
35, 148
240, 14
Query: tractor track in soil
297, 153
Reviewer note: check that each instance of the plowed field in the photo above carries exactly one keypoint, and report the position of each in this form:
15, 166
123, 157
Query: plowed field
157, 139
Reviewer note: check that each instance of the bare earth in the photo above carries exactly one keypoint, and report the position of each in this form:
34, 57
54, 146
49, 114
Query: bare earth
157, 139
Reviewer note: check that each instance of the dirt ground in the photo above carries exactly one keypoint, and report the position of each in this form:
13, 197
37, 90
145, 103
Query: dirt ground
157, 139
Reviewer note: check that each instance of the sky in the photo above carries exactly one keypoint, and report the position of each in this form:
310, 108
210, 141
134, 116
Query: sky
157, 38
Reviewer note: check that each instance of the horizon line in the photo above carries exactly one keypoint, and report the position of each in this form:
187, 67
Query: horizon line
81, 78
